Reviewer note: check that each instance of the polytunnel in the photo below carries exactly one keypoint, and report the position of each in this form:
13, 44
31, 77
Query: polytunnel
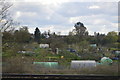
106, 61
47, 64
83, 63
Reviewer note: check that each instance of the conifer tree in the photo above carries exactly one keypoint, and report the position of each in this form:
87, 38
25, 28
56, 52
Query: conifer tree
37, 34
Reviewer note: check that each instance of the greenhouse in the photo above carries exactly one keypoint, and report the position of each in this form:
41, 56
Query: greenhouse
47, 64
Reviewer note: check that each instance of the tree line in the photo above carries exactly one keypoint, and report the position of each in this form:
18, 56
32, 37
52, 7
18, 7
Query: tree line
77, 35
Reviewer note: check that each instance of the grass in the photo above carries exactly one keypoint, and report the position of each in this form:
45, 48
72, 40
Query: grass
99, 70
44, 54
17, 65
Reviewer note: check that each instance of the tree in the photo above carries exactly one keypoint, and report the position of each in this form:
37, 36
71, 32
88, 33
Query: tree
37, 35
112, 33
49, 33
22, 35
83, 45
99, 39
6, 20
111, 38
80, 29
7, 37
57, 43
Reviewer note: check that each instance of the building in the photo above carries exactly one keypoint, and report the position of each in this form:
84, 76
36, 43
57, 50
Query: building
44, 45
93, 45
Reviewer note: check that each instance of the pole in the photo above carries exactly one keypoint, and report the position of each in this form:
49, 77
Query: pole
1, 53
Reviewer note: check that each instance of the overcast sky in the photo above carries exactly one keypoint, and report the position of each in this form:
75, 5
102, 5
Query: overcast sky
61, 15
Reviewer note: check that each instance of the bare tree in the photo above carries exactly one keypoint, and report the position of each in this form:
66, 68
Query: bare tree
6, 21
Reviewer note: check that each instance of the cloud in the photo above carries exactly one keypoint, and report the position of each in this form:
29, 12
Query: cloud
86, 8
97, 23
94, 7
18, 14
94, 19
60, 16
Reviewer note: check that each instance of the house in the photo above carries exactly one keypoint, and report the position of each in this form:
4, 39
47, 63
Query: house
44, 45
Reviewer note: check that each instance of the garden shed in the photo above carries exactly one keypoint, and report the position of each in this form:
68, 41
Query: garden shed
83, 63
44, 45
93, 45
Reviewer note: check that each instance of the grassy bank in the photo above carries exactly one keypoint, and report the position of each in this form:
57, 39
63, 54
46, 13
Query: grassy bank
18, 65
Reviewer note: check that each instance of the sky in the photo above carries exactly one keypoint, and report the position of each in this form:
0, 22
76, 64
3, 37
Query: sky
61, 15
